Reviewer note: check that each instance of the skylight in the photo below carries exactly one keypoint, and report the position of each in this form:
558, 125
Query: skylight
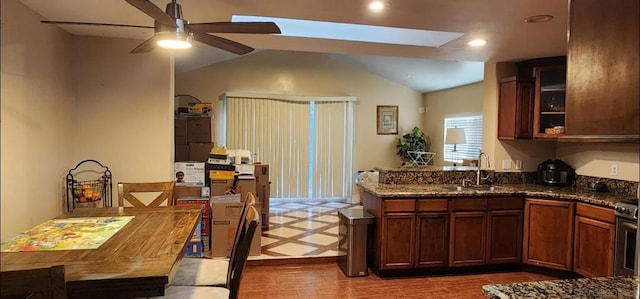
355, 32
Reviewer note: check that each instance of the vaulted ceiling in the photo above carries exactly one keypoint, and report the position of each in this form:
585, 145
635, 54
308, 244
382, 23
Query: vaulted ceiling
426, 69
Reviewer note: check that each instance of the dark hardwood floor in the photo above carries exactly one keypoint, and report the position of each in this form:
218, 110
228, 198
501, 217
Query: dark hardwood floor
326, 281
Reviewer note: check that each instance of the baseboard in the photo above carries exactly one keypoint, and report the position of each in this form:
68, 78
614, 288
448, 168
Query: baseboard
292, 261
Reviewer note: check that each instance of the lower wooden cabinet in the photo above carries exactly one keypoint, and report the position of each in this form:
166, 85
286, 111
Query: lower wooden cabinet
468, 237
504, 237
432, 240
548, 233
593, 253
399, 240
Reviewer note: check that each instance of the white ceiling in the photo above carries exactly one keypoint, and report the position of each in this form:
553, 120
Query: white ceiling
426, 69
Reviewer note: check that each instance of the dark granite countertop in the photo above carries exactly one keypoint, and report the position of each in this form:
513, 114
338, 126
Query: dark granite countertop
527, 190
585, 288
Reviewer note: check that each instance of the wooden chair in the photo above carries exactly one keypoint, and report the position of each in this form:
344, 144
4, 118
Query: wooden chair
213, 272
235, 276
127, 191
34, 283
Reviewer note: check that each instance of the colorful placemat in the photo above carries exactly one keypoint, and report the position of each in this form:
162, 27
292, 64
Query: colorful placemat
66, 234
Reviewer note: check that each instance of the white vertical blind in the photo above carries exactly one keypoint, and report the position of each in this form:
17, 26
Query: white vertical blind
333, 135
307, 143
472, 125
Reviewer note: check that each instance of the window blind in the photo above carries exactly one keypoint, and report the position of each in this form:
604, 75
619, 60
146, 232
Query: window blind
307, 142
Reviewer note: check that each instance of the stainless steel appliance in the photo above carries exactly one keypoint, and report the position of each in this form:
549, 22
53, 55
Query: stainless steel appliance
554, 172
626, 257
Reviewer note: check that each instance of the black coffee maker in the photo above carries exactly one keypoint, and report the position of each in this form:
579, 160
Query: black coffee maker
555, 172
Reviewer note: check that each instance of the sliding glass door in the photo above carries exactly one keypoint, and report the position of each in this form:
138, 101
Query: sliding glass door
307, 142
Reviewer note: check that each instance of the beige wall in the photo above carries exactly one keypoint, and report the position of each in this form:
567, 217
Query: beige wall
596, 159
124, 109
460, 100
68, 99
297, 73
37, 102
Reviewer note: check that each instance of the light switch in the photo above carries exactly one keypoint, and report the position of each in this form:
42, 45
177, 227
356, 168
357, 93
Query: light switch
506, 164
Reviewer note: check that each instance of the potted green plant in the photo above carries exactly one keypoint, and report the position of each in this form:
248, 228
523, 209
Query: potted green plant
413, 141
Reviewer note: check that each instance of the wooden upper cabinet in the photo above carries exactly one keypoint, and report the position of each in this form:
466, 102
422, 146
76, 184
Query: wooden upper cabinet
515, 108
602, 70
548, 233
550, 107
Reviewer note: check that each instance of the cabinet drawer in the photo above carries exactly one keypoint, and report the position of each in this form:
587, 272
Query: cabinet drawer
399, 205
432, 205
506, 203
595, 212
469, 204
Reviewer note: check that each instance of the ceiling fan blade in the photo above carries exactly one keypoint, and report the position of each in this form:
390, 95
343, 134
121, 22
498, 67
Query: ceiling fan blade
93, 24
153, 11
235, 27
222, 43
146, 46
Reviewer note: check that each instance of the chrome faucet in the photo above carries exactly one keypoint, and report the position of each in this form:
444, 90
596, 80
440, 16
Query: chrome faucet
480, 165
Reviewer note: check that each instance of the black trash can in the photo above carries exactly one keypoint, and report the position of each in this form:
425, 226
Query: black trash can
352, 241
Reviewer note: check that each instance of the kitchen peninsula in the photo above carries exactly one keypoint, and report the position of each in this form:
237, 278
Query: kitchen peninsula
438, 226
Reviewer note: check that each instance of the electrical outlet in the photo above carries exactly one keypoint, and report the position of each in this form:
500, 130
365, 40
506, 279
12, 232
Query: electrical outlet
506, 164
518, 164
614, 169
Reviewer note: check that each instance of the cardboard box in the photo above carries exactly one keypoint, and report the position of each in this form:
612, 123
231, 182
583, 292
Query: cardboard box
221, 174
181, 152
220, 187
194, 248
200, 108
196, 201
261, 171
263, 191
199, 131
199, 151
226, 209
180, 131
193, 173
206, 243
181, 191
206, 226
223, 232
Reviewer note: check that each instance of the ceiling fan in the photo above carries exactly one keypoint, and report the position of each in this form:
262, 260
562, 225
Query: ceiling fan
172, 31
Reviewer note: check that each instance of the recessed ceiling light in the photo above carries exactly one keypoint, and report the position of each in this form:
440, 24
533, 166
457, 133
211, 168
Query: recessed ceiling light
538, 19
376, 6
477, 42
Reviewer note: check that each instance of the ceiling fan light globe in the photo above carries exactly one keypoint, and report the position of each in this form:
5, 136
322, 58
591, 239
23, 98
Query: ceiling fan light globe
175, 41
174, 44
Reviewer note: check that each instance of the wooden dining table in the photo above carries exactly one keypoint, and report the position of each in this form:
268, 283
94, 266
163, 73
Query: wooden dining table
137, 261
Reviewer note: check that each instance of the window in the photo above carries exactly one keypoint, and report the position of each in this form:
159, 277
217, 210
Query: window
472, 125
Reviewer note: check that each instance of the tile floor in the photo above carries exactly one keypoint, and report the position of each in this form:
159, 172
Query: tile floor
302, 229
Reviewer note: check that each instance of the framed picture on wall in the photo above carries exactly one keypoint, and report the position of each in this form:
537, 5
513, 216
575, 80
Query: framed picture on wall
387, 120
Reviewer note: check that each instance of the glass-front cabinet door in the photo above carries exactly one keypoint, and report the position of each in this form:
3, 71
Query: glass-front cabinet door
550, 101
